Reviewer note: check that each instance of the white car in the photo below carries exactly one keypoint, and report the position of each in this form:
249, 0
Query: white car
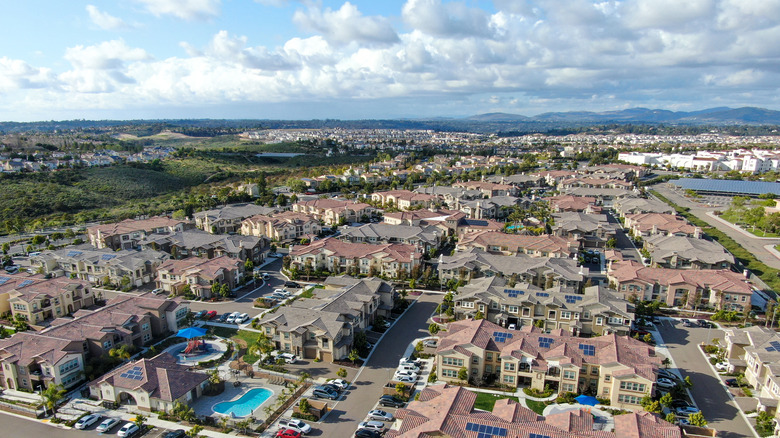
409, 367
107, 424
296, 425
128, 430
405, 374
430, 343
232, 318
685, 411
665, 383
288, 357
282, 292
86, 421
380, 415
722, 366
241, 318
404, 379
340, 383
372, 425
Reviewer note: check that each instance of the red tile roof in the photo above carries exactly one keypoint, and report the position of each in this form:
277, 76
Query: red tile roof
715, 279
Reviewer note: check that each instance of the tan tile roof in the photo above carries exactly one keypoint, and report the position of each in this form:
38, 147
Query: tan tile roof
669, 223
516, 242
715, 279
330, 246
334, 204
25, 348
206, 268
130, 225
570, 203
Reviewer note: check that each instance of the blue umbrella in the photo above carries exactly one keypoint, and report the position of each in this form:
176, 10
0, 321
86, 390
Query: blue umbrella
191, 332
587, 400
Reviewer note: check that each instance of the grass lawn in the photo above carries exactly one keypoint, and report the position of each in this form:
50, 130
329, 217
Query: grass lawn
247, 336
308, 293
224, 332
536, 406
486, 401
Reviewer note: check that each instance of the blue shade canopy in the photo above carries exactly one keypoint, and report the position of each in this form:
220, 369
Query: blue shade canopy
586, 400
191, 332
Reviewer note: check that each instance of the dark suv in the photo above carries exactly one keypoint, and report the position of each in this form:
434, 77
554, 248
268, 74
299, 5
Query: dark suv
291, 284
389, 400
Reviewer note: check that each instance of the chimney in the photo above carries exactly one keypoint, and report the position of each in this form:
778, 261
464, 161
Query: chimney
655, 229
697, 233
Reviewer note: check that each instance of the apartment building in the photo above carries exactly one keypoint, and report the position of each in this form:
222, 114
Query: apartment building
619, 368
494, 242
388, 259
335, 211
597, 311
424, 238
228, 218
127, 234
561, 203
404, 199
200, 275
682, 252
719, 288
449, 411
323, 327
59, 353
202, 244
591, 230
41, 300
127, 267
545, 272
640, 205
489, 189
651, 224
281, 227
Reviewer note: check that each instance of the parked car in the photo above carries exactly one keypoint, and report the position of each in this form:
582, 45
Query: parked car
685, 411
292, 284
231, 319
683, 422
325, 392
211, 314
430, 343
662, 382
178, 433
512, 327
703, 323
241, 318
404, 379
281, 292
341, 383
390, 401
680, 404
732, 383
373, 425
367, 433
11, 269
380, 415
107, 424
666, 374
200, 314
687, 323
406, 360
288, 357
265, 276
722, 366
295, 424
128, 430
288, 433
333, 387
409, 367
224, 317
158, 291
86, 421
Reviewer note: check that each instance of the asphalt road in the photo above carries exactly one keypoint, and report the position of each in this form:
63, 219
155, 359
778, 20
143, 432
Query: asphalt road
15, 427
709, 392
365, 392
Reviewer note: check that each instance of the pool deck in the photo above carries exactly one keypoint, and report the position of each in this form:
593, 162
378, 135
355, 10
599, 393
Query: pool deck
218, 348
205, 404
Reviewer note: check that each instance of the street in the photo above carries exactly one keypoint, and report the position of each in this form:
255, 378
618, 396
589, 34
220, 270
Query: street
343, 420
709, 392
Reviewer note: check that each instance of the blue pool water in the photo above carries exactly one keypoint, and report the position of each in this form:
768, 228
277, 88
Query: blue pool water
246, 404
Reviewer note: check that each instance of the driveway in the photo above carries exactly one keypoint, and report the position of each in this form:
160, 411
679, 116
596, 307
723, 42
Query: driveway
709, 392
366, 389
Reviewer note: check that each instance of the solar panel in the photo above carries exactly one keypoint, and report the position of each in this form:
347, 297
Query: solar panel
513, 293
729, 186
770, 349
3, 280
542, 294
73, 253
776, 345
545, 342
588, 350
485, 431
107, 256
571, 299
537, 435
501, 336
26, 283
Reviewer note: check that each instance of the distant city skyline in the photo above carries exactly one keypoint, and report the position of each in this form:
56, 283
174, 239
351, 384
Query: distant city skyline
288, 59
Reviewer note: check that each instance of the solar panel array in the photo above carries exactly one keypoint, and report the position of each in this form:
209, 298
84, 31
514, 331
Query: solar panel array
545, 342
107, 256
3, 280
537, 435
26, 283
571, 299
135, 373
501, 336
73, 253
513, 293
775, 346
728, 186
484, 431
588, 350
542, 294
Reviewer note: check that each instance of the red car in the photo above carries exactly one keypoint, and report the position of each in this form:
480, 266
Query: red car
288, 433
211, 314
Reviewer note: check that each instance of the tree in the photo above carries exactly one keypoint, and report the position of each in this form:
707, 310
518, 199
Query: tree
360, 343
243, 425
342, 373
479, 315
666, 400
248, 266
687, 382
400, 388
433, 328
670, 417
697, 419
666, 362
52, 396
194, 431
353, 355
139, 421
648, 338
6, 247
20, 323
463, 374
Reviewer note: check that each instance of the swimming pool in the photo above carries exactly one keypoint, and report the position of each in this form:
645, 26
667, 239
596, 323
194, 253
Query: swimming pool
244, 406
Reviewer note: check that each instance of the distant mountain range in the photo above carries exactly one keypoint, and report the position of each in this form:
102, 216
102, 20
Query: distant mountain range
716, 116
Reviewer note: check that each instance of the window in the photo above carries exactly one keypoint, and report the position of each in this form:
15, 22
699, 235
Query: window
488, 369
106, 345
147, 337
605, 391
69, 366
145, 327
449, 373
586, 314
513, 309
509, 366
570, 375
286, 335
475, 360
567, 387
633, 386
494, 305
594, 371
468, 304
324, 343
551, 314
509, 379
451, 361
565, 315
488, 357
607, 378
599, 320
629, 399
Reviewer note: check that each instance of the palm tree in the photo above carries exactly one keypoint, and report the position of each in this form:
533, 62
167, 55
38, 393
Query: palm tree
139, 421
52, 396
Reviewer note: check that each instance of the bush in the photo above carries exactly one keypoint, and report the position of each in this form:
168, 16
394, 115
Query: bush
307, 417
566, 397
711, 349
538, 394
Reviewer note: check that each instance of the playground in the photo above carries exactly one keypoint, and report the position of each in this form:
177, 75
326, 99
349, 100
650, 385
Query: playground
196, 349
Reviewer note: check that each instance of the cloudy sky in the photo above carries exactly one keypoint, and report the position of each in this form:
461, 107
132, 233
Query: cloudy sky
382, 58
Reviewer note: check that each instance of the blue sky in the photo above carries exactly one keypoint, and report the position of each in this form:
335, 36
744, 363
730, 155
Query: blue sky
382, 58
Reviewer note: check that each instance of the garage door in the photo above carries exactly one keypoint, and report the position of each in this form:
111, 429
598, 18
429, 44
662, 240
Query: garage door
326, 357
310, 353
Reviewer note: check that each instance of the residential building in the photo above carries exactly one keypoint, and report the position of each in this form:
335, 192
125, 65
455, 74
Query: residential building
125, 268
32, 362
739, 338
605, 197
202, 244
757, 349
594, 183
545, 272
618, 368
682, 252
449, 411
323, 327
640, 205
597, 311
489, 189
150, 385
174, 276
228, 218
690, 288
389, 259
404, 199
281, 227
419, 217
128, 233
591, 230
335, 211
425, 238
39, 300
650, 224
495, 242
561, 203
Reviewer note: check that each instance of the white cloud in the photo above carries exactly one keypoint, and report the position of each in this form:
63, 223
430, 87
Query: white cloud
16, 74
105, 20
346, 25
190, 10
100, 68
447, 20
